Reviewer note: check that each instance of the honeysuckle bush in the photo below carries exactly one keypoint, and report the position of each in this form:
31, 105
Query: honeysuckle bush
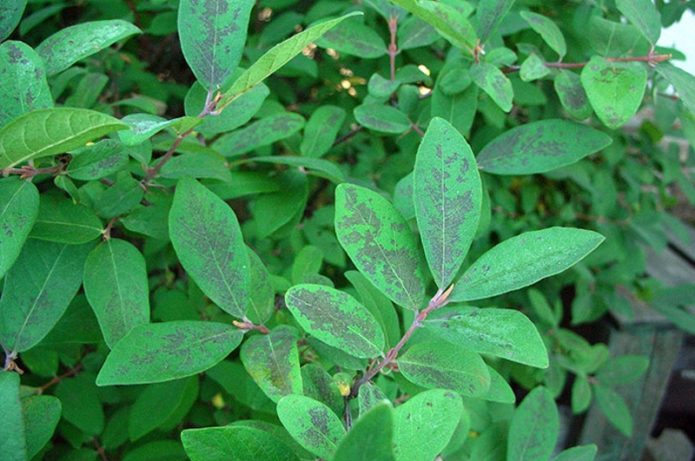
329, 229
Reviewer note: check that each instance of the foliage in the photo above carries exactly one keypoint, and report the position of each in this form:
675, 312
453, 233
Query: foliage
341, 230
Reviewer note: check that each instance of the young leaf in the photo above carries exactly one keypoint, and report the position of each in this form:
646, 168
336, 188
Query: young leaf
540, 146
47, 132
505, 333
212, 35
523, 260
13, 445
158, 352
272, 360
41, 416
644, 15
682, 81
372, 434
573, 98
615, 89
234, 443
614, 407
115, 282
260, 133
493, 82
61, 220
380, 244
548, 30
447, 366
447, 195
37, 290
382, 118
580, 453
71, 44
534, 428
424, 424
321, 130
24, 86
208, 241
336, 318
277, 57
20, 206
10, 14
489, 15
311, 423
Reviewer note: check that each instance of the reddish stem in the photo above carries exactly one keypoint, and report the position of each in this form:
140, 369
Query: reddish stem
71, 372
651, 59
393, 46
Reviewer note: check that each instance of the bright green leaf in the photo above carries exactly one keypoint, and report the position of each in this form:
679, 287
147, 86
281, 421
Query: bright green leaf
534, 428
548, 30
581, 394
323, 168
500, 390
261, 302
491, 80
449, 21
98, 160
143, 127
20, 206
311, 423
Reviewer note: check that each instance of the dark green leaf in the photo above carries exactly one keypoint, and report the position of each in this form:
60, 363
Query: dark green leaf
622, 370
234, 443
159, 352
493, 82
580, 453
644, 15
449, 21
20, 206
63, 221
490, 14
81, 404
207, 239
10, 13
144, 126
206, 165
572, 96
261, 302
414, 33
120, 198
336, 318
323, 168
534, 428
13, 445
385, 119
98, 160
41, 416
548, 30
581, 394
613, 406
448, 196
279, 210
158, 403
353, 37
258, 134
321, 130
311, 423
372, 434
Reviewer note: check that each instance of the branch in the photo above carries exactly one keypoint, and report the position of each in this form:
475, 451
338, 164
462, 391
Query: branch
393, 47
651, 59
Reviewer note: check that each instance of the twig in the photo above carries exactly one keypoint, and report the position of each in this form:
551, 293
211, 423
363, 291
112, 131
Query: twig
71, 372
651, 59
348, 135
28, 171
100, 449
248, 325
393, 46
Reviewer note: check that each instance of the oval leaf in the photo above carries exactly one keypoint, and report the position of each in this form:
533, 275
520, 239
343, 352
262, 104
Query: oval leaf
321, 130
336, 318
380, 244
523, 260
354, 38
570, 91
492, 81
644, 15
311, 423
372, 434
548, 30
534, 428
258, 134
20, 206
614, 407
234, 443
447, 195
63, 221
208, 241
41, 416
159, 352
385, 119
98, 160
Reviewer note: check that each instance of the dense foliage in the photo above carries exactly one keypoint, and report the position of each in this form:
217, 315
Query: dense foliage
292, 229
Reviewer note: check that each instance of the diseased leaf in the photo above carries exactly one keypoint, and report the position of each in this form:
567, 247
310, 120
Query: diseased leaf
10, 14
336, 318
24, 87
321, 130
682, 81
447, 195
523, 260
47, 132
533, 68
41, 415
372, 434
572, 96
13, 445
319, 385
272, 360
158, 352
353, 37
534, 428
63, 221
311, 423
644, 15
234, 443
98, 160
548, 30
277, 57
207, 165
212, 35
144, 126
207, 239
380, 244
414, 33
505, 333
540, 146
260, 133
261, 302
489, 15
435, 364
382, 118
615, 89
425, 423
447, 19
38, 290
115, 282
614, 407
71, 44
493, 82
19, 206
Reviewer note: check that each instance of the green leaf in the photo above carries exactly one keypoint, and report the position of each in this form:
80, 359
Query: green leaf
580, 453
682, 81
71, 44
644, 15
447, 194
272, 360
622, 370
371, 434
156, 405
573, 98
275, 211
261, 302
382, 118
159, 352
41, 416
380, 244
581, 394
206, 165
336, 318
234, 443
120, 198
540, 146
63, 221
534, 428
489, 15
212, 35
260, 133
98, 160
115, 282
277, 57
548, 30
208, 241
425, 423
47, 132
449, 22
353, 37
447, 366
311, 423
81, 405
13, 445
144, 126
38, 289
24, 86
533, 68
10, 14
523, 260
613, 406
323, 168
614, 89
20, 206
321, 130
505, 333
414, 33
493, 82
500, 390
